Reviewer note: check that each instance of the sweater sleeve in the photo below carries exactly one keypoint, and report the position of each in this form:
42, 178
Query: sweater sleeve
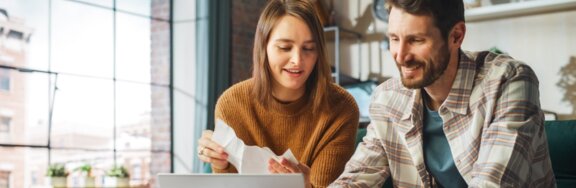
222, 104
229, 169
330, 161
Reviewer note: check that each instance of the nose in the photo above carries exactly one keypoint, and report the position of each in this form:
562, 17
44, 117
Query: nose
296, 57
401, 52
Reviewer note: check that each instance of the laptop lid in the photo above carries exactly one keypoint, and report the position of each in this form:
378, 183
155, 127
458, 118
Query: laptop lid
166, 180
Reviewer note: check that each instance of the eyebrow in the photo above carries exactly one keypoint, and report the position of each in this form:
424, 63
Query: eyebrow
418, 34
292, 41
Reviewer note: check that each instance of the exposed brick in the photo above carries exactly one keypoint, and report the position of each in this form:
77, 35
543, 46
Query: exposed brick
245, 14
160, 96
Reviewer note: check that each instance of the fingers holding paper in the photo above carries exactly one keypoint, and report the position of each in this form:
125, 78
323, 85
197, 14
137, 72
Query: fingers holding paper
284, 166
211, 152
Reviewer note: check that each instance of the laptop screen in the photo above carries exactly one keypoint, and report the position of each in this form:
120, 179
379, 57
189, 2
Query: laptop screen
166, 180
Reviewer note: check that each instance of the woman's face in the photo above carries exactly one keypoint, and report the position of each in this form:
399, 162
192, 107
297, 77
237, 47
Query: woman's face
292, 55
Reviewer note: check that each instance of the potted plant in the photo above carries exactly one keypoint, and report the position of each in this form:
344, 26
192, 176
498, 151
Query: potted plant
118, 176
57, 175
86, 178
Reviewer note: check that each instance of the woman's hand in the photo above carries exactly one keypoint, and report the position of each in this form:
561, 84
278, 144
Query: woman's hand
211, 152
286, 167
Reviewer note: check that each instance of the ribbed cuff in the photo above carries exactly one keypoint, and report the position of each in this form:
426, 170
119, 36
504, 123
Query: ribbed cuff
229, 169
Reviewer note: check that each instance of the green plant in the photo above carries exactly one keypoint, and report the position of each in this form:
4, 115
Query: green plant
85, 169
118, 171
56, 170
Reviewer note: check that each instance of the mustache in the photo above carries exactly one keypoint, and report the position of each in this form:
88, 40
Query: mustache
412, 63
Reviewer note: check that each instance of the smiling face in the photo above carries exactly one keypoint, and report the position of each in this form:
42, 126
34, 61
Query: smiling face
292, 55
416, 44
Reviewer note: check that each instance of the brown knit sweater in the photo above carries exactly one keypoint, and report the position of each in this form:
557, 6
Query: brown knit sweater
324, 141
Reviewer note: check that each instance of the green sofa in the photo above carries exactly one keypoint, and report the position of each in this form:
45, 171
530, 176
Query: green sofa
561, 144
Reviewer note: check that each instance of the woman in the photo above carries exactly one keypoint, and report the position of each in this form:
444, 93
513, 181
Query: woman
290, 102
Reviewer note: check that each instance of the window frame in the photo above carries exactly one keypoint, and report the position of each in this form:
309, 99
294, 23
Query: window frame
5, 80
165, 87
5, 124
8, 175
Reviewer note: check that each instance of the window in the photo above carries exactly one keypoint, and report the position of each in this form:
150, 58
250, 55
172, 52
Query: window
15, 35
98, 91
14, 40
5, 124
136, 172
4, 179
4, 80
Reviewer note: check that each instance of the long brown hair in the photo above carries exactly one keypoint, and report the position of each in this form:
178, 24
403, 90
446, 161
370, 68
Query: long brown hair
320, 78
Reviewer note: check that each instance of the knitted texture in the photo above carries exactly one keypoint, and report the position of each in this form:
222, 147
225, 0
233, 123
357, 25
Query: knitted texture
322, 140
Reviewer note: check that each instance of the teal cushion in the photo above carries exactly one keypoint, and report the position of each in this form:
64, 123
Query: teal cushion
206, 168
566, 183
562, 145
359, 135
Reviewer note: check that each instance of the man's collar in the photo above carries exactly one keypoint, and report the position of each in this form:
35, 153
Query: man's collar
413, 104
459, 96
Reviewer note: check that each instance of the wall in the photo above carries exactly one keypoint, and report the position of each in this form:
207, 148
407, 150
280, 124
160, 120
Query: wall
245, 14
14, 101
160, 96
366, 59
546, 42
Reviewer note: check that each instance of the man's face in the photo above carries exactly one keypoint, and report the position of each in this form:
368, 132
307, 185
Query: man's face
417, 46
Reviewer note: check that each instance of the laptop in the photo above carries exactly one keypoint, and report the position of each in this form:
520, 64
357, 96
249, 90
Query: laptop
168, 180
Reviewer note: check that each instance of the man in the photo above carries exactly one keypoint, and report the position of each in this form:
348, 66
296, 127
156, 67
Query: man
454, 118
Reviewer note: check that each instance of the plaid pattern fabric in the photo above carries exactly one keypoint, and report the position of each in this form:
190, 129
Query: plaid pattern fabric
492, 120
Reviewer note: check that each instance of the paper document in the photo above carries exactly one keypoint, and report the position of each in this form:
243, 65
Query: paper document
246, 159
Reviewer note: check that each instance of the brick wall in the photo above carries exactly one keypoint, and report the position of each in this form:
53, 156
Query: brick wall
13, 103
245, 14
160, 96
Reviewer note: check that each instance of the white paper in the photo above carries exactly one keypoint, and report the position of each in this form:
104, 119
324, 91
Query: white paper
246, 159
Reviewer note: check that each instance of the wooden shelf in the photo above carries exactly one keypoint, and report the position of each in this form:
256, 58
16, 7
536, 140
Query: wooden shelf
518, 9
330, 33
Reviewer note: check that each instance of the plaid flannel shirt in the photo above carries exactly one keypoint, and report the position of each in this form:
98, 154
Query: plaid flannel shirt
492, 120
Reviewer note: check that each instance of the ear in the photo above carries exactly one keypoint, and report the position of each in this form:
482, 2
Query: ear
457, 34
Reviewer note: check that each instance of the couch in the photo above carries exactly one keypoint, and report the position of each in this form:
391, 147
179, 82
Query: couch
562, 146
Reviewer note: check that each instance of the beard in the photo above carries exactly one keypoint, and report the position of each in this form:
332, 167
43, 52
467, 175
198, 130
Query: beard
432, 68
